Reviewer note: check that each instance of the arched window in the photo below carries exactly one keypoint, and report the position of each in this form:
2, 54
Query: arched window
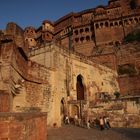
87, 38
97, 26
101, 24
81, 30
76, 32
136, 20
80, 87
82, 39
116, 23
131, 20
111, 24
87, 30
126, 22
76, 40
120, 22
106, 24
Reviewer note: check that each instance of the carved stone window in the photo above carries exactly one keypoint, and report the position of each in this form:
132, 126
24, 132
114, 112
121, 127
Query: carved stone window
131, 20
106, 24
120, 22
136, 20
87, 38
111, 24
101, 24
76, 32
126, 22
97, 26
116, 23
87, 30
82, 39
76, 40
81, 30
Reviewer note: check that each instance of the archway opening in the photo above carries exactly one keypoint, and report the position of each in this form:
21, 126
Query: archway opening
80, 88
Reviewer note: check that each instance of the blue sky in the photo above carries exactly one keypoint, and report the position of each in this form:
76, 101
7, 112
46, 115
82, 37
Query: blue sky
33, 12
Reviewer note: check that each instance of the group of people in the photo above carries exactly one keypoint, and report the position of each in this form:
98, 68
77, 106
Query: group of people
76, 120
106, 123
102, 123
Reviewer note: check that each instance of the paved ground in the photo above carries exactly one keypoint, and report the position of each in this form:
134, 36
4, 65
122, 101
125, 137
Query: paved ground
70, 132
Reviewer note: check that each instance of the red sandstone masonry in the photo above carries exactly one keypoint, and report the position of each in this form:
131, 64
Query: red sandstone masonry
23, 126
4, 101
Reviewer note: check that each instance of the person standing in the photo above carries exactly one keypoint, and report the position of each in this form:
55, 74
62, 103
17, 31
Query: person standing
67, 120
101, 123
107, 122
88, 124
76, 119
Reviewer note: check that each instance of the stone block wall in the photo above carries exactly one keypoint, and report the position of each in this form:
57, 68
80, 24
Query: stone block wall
127, 120
108, 60
4, 101
127, 85
121, 113
23, 126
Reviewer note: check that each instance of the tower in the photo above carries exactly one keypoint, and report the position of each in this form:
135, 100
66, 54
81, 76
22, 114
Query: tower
47, 31
30, 36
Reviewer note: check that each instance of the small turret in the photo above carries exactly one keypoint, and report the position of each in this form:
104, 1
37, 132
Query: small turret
113, 2
30, 32
47, 31
30, 35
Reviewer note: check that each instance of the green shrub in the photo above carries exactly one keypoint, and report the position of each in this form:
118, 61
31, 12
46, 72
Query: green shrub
135, 36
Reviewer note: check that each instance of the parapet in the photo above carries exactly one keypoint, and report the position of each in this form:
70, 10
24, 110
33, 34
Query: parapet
13, 29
